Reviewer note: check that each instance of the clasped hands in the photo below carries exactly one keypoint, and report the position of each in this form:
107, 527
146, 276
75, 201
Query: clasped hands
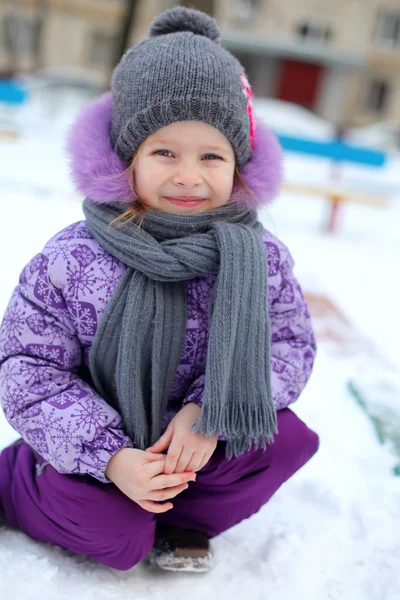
187, 451
148, 477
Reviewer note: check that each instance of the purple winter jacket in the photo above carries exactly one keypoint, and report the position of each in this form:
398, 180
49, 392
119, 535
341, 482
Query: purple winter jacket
53, 314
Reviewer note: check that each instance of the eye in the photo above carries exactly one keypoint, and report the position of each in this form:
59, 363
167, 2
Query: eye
166, 153
212, 157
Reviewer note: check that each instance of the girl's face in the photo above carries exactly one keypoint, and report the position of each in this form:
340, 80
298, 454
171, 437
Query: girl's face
185, 168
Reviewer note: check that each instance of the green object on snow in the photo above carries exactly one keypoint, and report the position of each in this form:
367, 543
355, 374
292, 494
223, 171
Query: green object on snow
383, 414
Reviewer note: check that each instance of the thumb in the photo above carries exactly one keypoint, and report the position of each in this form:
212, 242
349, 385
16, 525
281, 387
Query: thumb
163, 442
153, 457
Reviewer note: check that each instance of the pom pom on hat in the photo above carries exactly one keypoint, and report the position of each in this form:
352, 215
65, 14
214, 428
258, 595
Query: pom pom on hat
185, 19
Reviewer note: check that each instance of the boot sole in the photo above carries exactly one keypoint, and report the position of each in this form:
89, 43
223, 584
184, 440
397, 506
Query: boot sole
190, 561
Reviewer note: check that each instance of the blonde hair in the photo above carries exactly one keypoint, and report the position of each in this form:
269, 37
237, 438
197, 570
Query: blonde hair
138, 210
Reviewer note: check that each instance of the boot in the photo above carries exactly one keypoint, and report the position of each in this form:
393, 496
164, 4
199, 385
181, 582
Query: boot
178, 549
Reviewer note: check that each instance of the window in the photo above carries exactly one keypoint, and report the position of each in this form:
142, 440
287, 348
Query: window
388, 29
102, 49
376, 97
314, 32
206, 6
21, 35
246, 59
245, 10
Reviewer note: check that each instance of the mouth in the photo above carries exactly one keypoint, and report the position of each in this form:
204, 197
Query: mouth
188, 201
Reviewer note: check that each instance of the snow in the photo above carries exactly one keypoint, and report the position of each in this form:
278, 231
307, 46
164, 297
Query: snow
384, 134
332, 531
292, 119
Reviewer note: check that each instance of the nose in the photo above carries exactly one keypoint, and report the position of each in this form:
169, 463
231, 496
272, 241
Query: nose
187, 174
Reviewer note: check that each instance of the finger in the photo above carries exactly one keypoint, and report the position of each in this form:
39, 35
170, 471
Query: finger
197, 463
167, 481
160, 495
154, 507
164, 441
173, 455
150, 457
154, 468
205, 460
184, 459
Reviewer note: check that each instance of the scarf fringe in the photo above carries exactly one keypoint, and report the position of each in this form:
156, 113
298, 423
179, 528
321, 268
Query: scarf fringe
261, 423
141, 442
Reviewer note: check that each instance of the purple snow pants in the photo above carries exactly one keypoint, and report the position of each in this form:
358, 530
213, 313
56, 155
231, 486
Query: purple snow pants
96, 519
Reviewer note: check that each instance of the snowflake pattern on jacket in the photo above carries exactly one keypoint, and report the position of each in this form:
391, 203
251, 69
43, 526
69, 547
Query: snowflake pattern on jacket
49, 326
52, 317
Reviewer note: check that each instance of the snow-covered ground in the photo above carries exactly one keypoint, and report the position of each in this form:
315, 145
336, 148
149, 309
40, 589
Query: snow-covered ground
332, 531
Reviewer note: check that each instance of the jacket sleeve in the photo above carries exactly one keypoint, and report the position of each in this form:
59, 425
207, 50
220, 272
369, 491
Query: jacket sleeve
43, 396
293, 348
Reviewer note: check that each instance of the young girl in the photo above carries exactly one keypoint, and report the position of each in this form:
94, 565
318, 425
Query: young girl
149, 353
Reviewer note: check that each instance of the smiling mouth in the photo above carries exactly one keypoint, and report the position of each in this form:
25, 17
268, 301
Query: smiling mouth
188, 201
185, 198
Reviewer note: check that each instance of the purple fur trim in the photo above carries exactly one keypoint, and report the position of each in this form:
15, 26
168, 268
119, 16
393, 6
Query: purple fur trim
100, 175
97, 171
264, 172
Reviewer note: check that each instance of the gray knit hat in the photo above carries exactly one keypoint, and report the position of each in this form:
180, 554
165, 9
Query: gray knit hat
180, 73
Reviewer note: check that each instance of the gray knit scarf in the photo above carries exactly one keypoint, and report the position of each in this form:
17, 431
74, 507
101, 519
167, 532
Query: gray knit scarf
139, 340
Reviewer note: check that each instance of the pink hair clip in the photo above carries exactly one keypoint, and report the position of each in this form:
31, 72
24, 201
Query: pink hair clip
247, 91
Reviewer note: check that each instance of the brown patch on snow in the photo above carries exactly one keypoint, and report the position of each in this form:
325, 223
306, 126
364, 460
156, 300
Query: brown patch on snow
332, 326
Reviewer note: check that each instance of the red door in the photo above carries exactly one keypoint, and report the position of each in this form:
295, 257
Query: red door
299, 82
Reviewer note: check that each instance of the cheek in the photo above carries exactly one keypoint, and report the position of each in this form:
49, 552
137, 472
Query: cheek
146, 180
223, 183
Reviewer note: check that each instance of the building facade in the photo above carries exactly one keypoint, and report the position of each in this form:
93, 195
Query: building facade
339, 59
